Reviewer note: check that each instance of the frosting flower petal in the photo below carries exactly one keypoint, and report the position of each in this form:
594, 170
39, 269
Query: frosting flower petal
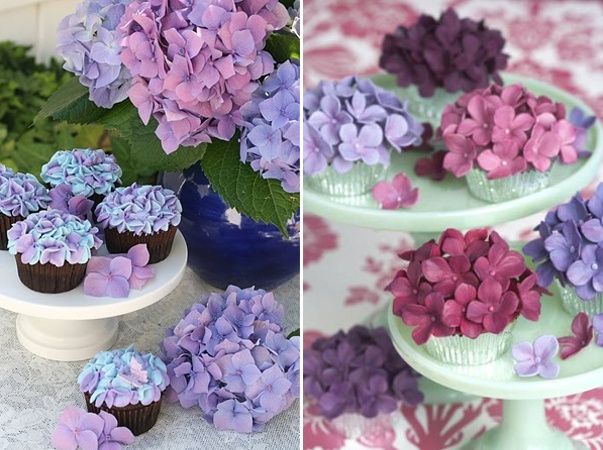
396, 194
536, 358
22, 194
582, 336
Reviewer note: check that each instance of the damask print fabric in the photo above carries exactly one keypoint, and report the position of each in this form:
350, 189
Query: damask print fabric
556, 42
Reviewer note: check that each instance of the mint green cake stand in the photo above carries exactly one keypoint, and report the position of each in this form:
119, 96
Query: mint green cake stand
523, 426
448, 203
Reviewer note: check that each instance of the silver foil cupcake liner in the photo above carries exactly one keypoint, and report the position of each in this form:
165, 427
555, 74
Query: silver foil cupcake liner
573, 304
504, 189
464, 351
428, 109
357, 181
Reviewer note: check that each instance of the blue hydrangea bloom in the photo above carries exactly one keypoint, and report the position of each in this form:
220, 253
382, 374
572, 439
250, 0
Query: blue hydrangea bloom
270, 138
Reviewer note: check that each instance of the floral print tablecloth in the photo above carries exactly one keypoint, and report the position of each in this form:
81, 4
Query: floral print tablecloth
347, 267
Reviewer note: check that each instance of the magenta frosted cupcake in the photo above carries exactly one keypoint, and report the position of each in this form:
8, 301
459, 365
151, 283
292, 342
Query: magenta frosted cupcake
140, 215
20, 195
52, 250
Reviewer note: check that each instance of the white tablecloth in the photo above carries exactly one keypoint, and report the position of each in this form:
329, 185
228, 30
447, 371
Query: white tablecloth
33, 390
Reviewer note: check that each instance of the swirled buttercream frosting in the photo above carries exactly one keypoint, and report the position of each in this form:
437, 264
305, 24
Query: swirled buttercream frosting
53, 237
139, 209
22, 194
87, 171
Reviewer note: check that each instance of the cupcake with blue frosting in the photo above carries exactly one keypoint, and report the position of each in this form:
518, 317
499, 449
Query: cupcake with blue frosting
135, 215
89, 173
20, 195
127, 384
52, 250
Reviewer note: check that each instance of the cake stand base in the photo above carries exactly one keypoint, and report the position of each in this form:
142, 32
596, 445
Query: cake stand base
66, 340
524, 427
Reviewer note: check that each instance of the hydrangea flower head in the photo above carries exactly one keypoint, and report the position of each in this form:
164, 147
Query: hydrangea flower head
89, 42
451, 53
465, 284
270, 139
568, 245
228, 355
504, 131
353, 120
358, 371
22, 194
195, 63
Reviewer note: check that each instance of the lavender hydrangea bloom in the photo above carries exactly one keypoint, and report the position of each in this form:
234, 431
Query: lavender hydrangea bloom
567, 246
89, 42
194, 64
270, 138
354, 120
358, 371
228, 355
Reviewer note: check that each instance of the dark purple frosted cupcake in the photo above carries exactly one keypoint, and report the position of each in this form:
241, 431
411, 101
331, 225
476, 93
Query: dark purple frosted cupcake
20, 195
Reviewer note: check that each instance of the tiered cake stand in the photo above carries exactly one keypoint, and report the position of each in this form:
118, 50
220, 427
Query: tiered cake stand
448, 204
73, 326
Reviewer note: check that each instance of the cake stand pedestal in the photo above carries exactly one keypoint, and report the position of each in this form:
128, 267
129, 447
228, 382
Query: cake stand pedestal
72, 326
449, 204
524, 426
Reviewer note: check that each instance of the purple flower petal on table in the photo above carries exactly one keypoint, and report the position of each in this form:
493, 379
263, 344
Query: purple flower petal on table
582, 336
598, 327
139, 255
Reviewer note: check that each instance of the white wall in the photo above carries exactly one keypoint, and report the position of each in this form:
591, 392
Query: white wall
34, 22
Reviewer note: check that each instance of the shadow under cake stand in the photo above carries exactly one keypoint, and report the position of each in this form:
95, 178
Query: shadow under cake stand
449, 204
523, 426
73, 326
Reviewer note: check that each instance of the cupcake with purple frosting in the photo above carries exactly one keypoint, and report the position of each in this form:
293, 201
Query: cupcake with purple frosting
140, 215
52, 250
89, 173
20, 195
127, 384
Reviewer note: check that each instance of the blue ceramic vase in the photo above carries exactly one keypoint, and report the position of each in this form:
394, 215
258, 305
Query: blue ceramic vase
226, 247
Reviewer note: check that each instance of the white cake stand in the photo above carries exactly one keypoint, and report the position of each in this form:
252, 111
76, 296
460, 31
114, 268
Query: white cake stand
72, 326
524, 425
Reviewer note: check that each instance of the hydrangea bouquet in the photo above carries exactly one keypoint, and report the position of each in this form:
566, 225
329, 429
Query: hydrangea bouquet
462, 294
229, 356
569, 251
504, 140
351, 127
177, 83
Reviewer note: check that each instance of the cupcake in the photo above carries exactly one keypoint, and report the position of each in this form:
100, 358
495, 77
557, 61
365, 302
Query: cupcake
20, 195
127, 384
463, 294
350, 129
52, 250
569, 253
89, 173
436, 60
140, 215
505, 140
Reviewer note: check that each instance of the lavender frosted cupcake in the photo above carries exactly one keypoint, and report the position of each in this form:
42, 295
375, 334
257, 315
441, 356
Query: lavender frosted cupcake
127, 384
52, 250
20, 195
90, 173
140, 215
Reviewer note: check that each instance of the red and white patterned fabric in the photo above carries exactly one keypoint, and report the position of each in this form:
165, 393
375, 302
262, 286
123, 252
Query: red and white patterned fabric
346, 267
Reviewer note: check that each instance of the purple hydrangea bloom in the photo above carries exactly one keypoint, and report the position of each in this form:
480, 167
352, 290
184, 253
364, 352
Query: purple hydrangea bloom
88, 431
270, 138
89, 42
567, 246
358, 371
451, 53
195, 63
228, 356
22, 194
354, 120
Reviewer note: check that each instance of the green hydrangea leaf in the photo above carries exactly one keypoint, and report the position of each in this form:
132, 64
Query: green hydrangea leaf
283, 45
245, 190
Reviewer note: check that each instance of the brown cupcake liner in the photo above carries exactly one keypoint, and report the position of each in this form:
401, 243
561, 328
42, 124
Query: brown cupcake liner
6, 222
50, 279
159, 244
138, 418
